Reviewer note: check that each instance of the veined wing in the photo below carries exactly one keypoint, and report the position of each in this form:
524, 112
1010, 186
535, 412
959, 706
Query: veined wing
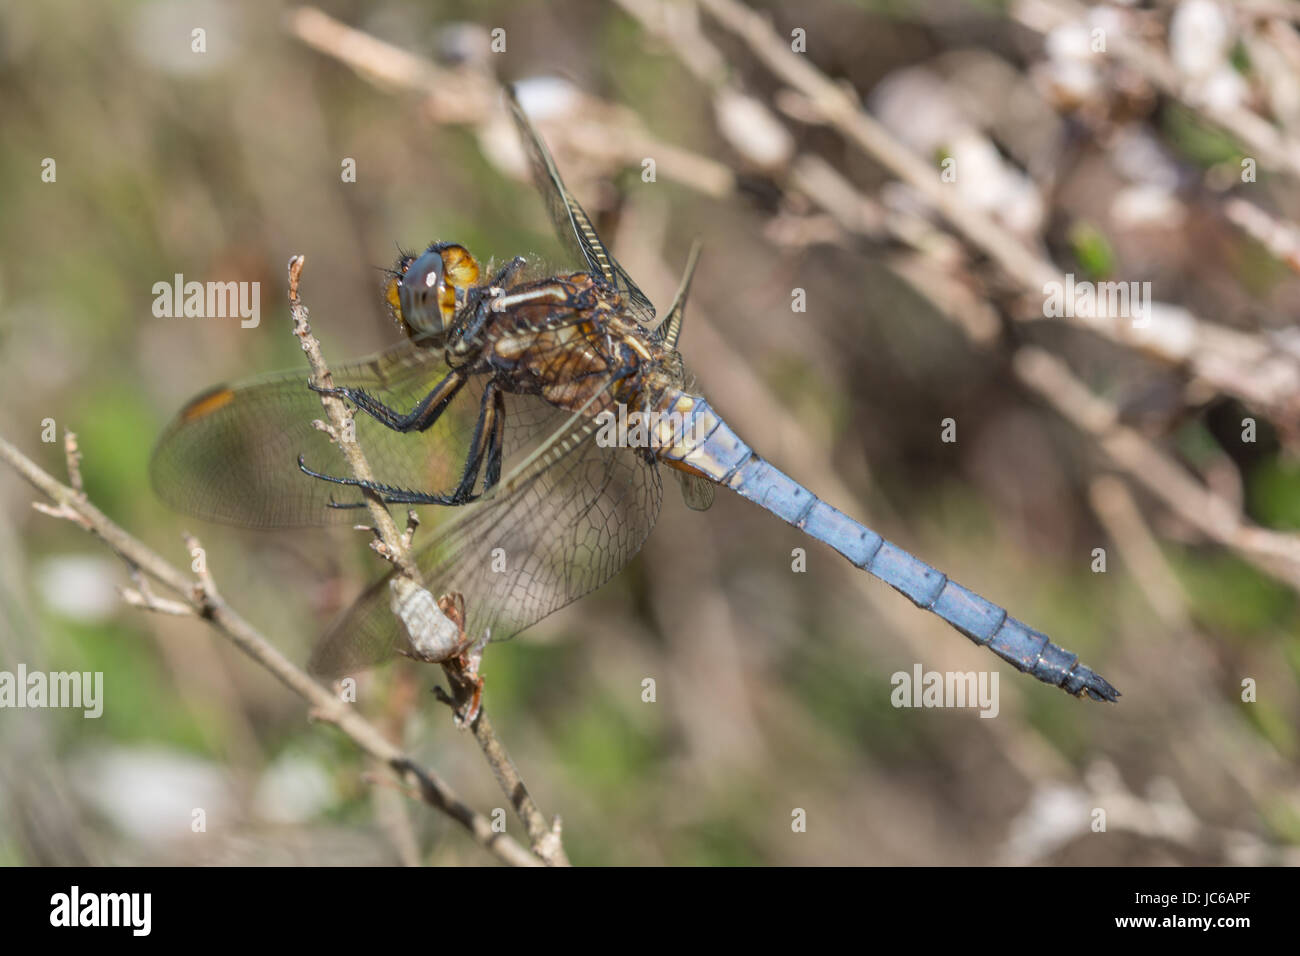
572, 224
697, 491
231, 454
565, 522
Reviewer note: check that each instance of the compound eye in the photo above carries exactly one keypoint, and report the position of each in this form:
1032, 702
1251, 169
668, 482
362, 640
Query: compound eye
420, 292
462, 268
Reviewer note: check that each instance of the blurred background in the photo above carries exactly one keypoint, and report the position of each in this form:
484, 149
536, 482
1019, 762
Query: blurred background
806, 146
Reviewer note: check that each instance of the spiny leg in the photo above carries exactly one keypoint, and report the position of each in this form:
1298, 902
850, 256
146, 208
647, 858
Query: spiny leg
387, 493
490, 414
496, 443
488, 434
423, 416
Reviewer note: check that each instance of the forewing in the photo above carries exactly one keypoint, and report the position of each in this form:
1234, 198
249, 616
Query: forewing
572, 224
231, 455
561, 528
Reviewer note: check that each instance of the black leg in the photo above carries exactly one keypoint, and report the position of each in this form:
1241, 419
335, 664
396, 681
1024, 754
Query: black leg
488, 432
489, 417
389, 494
492, 474
420, 418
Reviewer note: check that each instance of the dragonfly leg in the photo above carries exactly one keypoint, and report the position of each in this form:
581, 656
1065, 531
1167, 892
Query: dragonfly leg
488, 433
496, 443
423, 416
389, 494
491, 414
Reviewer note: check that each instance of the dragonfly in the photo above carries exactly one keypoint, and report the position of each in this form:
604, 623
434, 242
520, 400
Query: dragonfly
540, 413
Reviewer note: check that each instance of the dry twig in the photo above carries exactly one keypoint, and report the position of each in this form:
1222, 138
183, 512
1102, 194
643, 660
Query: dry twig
396, 548
209, 605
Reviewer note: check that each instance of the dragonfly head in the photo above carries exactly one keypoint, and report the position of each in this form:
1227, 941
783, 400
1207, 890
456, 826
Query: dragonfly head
425, 291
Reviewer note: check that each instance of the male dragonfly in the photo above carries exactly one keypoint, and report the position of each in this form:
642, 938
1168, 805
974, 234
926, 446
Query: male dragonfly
497, 405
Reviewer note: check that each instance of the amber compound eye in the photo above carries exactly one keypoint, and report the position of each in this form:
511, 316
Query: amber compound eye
419, 294
462, 268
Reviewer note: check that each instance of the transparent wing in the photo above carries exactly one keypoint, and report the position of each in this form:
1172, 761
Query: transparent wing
572, 224
231, 454
561, 528
697, 491
671, 328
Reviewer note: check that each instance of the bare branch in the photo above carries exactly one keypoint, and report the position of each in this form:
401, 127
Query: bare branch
394, 545
1263, 140
1119, 514
73, 455
432, 789
1247, 366
1275, 552
1281, 239
469, 97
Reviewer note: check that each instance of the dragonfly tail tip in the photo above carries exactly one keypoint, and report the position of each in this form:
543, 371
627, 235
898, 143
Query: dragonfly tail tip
1098, 688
